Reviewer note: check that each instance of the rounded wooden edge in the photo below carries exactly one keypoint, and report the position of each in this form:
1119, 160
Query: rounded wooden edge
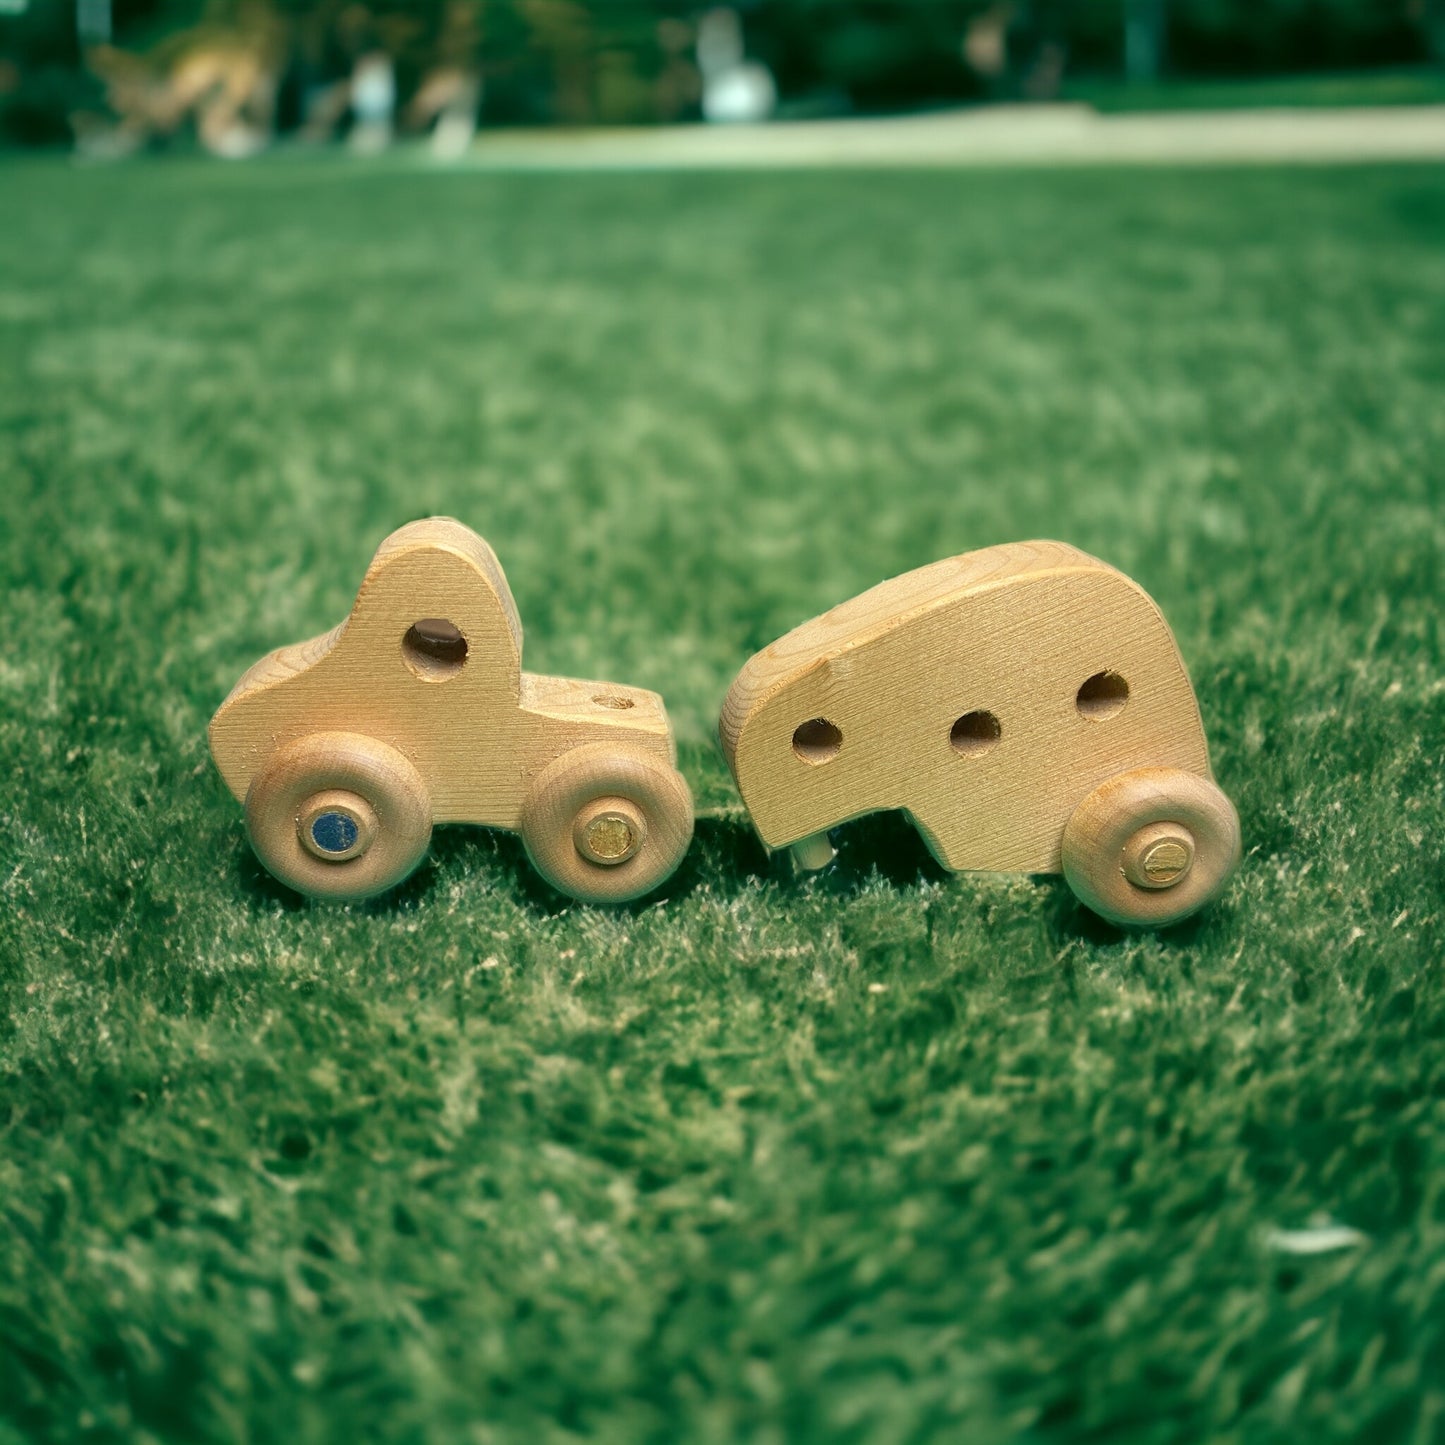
1151, 814
381, 790
597, 782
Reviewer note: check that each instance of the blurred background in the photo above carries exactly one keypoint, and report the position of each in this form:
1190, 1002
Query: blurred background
235, 77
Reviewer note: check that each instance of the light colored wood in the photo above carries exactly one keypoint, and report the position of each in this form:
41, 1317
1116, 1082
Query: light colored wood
1150, 847
453, 703
329, 776
605, 825
986, 696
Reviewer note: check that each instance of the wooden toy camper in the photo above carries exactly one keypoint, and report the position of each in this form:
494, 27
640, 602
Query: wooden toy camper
346, 749
1025, 705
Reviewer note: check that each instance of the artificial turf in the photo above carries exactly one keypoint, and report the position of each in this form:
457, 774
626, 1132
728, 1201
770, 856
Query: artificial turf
883, 1157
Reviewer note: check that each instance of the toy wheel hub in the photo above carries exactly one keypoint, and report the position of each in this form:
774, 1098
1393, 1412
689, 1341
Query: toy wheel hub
336, 826
609, 831
1159, 856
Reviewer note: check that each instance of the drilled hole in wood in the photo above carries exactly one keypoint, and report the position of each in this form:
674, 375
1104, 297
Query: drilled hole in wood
1102, 696
975, 733
817, 740
434, 649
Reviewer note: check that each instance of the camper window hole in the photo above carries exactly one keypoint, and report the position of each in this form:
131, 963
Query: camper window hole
1102, 696
975, 733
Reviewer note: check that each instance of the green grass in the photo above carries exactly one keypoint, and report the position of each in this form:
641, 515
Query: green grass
887, 1157
1407, 86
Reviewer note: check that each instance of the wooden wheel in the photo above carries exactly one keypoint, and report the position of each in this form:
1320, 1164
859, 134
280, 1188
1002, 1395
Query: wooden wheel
1150, 847
605, 826
336, 815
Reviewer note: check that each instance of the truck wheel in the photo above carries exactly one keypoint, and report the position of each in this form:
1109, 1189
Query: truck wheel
1149, 847
605, 826
336, 815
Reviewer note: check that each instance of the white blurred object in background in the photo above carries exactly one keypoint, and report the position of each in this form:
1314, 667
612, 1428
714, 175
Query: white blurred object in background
449, 98
744, 94
456, 122
373, 103
735, 90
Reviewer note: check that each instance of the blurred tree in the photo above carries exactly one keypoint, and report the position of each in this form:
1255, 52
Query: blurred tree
561, 31
1144, 28
869, 54
1431, 15
581, 61
1257, 36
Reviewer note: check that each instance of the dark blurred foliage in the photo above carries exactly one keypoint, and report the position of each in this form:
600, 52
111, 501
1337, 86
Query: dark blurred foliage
619, 61
1263, 36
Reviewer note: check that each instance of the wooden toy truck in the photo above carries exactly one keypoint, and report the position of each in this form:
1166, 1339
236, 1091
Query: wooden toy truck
346, 749
1025, 705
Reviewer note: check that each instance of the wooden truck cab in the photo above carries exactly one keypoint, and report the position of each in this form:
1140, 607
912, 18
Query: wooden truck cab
428, 667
